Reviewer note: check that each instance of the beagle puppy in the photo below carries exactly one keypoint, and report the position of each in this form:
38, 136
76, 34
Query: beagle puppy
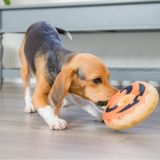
59, 71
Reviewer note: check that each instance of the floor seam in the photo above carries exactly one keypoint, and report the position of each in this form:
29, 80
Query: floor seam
131, 135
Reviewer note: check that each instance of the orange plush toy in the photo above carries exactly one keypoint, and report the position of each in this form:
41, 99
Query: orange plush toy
130, 106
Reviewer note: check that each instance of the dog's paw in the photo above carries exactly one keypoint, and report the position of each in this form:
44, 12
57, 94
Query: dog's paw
58, 124
30, 108
54, 122
65, 103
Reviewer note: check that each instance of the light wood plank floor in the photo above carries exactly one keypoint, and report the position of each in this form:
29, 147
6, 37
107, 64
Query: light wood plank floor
28, 136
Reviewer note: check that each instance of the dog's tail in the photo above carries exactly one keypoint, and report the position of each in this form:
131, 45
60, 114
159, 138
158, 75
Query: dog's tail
61, 31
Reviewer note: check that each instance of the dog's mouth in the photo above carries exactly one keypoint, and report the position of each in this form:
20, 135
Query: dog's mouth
101, 103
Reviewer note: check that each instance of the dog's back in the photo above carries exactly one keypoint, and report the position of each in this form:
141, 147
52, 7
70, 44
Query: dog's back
43, 39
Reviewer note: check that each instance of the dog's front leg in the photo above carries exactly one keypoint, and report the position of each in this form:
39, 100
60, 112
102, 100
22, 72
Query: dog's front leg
48, 114
45, 110
88, 106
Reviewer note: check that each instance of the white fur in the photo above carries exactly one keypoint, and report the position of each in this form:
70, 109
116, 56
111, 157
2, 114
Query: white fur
88, 106
28, 98
48, 114
69, 35
65, 103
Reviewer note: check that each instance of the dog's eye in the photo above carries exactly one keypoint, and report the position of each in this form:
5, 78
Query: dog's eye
97, 81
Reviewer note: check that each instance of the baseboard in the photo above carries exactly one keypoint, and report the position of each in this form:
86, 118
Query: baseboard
17, 80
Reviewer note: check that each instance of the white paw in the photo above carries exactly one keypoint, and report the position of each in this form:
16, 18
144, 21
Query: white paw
30, 108
58, 124
48, 114
65, 103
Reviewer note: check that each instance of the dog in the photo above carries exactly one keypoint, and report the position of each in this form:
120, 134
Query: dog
59, 71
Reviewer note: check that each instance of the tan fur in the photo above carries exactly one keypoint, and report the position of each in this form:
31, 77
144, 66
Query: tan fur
25, 73
42, 88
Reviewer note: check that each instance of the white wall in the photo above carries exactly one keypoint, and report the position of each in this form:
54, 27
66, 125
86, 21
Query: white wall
115, 49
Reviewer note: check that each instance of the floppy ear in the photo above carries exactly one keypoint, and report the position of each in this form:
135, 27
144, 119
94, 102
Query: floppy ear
60, 88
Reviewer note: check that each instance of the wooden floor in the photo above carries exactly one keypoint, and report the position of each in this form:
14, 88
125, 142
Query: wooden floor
27, 136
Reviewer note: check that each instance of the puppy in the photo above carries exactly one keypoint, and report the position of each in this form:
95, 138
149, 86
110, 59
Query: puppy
59, 71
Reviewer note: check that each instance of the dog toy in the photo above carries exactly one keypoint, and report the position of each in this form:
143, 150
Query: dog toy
130, 106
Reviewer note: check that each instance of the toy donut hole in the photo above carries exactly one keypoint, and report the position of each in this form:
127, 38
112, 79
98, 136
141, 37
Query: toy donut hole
126, 100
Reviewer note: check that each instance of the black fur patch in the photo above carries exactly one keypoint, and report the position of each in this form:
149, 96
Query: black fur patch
43, 39
56, 59
80, 74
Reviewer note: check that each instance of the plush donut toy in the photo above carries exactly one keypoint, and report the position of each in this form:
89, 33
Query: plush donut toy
130, 106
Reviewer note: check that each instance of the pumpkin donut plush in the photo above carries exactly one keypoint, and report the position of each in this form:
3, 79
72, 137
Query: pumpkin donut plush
130, 106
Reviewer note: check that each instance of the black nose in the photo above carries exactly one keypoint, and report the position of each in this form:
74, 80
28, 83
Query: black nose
102, 103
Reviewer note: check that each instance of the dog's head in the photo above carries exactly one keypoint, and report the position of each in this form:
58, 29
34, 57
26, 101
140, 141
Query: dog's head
85, 76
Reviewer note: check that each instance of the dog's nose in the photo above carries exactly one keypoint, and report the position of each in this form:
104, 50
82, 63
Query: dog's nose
102, 103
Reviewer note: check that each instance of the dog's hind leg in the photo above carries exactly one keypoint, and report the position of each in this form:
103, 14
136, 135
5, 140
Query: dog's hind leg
25, 74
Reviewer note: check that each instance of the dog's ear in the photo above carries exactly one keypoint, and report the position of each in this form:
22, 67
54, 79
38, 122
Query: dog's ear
60, 88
